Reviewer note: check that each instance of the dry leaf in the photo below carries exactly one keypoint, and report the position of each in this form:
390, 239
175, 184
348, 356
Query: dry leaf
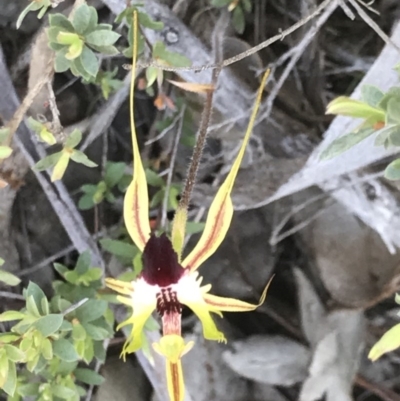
192, 86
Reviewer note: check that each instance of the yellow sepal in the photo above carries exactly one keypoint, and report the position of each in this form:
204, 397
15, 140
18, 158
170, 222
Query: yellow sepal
221, 210
217, 304
136, 202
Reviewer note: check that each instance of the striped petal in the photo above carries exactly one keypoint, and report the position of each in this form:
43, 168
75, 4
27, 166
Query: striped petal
122, 287
136, 202
222, 304
176, 387
221, 210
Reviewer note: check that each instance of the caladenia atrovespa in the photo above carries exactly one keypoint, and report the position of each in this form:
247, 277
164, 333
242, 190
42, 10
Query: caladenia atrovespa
167, 282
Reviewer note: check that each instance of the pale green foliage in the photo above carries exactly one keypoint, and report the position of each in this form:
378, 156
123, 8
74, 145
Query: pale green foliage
115, 176
379, 112
54, 337
76, 41
60, 160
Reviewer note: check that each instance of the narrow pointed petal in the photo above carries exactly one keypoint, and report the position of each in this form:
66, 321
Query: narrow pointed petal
231, 304
143, 301
122, 287
176, 387
136, 202
210, 331
220, 214
190, 294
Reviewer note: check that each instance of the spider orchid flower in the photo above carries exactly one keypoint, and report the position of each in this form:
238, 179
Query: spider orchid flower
167, 282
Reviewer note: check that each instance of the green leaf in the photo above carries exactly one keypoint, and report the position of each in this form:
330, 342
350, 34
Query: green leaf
31, 7
146, 21
78, 70
157, 198
93, 20
9, 278
389, 342
392, 171
394, 136
107, 50
114, 173
71, 276
28, 389
78, 332
88, 376
60, 268
14, 353
79, 157
343, 143
371, 95
393, 111
238, 20
119, 248
73, 139
33, 290
32, 307
60, 167
86, 202
94, 274
48, 161
47, 349
5, 151
247, 5
220, 3
49, 324
392, 93
194, 228
154, 179
137, 264
64, 349
61, 21
95, 332
8, 337
346, 106
63, 392
68, 38
61, 64
99, 351
11, 315
91, 310
3, 364
81, 18
151, 75
42, 12
11, 383
102, 38
83, 263
89, 61
171, 58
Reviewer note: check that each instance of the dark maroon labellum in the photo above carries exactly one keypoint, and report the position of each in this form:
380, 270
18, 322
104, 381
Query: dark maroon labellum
160, 262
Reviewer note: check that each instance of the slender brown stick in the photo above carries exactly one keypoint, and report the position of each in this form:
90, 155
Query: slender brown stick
199, 147
246, 53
